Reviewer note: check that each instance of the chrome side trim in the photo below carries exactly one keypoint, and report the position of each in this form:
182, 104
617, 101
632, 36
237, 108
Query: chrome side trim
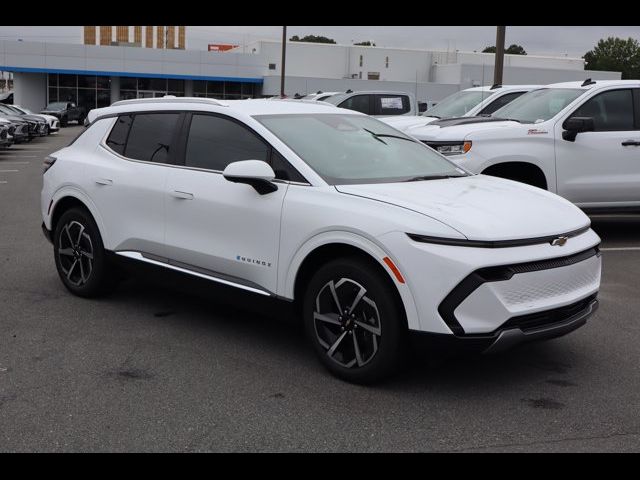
139, 256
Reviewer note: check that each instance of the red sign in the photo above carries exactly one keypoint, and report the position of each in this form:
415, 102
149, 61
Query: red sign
221, 47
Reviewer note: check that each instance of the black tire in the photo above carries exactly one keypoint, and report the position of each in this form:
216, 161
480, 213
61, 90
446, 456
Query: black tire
88, 277
380, 354
63, 121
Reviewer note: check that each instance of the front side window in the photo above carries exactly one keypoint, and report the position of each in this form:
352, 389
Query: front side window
359, 103
538, 105
459, 103
150, 136
215, 142
353, 149
611, 111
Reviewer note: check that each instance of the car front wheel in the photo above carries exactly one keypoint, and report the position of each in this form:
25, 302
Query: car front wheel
354, 321
79, 254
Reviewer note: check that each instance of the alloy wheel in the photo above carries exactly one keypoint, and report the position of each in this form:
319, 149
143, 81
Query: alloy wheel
75, 253
347, 323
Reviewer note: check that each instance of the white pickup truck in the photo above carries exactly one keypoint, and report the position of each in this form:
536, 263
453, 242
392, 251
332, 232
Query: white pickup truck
470, 102
580, 140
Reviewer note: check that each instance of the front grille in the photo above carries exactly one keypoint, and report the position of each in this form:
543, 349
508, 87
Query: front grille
533, 321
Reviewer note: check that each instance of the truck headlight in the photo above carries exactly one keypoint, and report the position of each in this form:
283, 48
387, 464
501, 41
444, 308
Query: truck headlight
451, 148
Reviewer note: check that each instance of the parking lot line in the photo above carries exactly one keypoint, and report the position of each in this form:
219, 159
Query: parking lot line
14, 163
8, 171
3, 181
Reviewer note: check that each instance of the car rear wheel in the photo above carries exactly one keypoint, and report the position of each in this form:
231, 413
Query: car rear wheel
354, 321
79, 254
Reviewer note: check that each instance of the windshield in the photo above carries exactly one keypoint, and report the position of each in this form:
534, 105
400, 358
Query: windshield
57, 106
336, 99
538, 105
458, 104
353, 149
4, 109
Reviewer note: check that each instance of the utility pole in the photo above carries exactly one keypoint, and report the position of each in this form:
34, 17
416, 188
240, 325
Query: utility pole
284, 59
499, 67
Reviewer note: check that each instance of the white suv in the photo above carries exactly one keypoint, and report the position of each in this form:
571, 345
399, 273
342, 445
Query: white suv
372, 234
578, 139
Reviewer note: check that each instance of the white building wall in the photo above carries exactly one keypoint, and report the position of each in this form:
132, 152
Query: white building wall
30, 90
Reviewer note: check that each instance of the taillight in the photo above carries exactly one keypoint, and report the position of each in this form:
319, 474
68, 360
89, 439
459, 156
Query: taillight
48, 163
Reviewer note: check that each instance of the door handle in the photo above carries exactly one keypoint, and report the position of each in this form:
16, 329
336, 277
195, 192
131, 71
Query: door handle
182, 195
104, 181
631, 143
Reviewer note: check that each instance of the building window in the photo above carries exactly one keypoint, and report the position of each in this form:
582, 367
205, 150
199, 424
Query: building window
360, 60
386, 62
272, 66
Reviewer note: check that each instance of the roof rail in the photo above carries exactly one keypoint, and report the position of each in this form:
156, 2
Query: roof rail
170, 99
349, 91
496, 85
587, 82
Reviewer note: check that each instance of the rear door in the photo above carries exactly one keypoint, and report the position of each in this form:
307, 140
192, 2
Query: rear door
128, 176
363, 103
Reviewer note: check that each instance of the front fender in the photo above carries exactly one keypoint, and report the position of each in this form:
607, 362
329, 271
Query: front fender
371, 247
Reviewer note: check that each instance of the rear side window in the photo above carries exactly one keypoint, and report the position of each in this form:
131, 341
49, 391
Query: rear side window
359, 103
392, 104
611, 111
215, 142
118, 137
499, 103
150, 137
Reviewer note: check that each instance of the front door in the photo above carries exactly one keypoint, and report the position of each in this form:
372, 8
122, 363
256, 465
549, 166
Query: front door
602, 168
228, 229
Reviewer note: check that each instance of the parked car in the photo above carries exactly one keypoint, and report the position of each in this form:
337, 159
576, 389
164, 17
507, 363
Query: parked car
376, 103
6, 140
66, 112
578, 139
319, 96
53, 123
375, 237
35, 127
469, 103
6, 98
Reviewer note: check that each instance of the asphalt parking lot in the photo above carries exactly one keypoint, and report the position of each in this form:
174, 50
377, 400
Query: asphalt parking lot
150, 368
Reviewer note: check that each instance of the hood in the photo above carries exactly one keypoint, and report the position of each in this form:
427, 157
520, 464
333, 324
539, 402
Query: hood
406, 121
35, 118
481, 207
459, 131
14, 118
51, 112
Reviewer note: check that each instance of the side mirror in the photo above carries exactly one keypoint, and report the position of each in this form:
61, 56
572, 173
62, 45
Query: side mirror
575, 125
256, 173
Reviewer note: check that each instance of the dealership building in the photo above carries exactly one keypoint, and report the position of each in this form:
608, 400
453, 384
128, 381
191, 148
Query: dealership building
98, 75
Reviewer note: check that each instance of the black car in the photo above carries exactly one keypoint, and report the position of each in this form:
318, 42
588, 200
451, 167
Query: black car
66, 112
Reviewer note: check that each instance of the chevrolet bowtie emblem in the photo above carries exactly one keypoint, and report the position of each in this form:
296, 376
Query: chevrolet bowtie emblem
559, 242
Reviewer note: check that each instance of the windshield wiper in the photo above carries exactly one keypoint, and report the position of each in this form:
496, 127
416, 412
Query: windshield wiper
380, 136
433, 177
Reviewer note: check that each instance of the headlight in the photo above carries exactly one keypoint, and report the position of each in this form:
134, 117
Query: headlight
451, 148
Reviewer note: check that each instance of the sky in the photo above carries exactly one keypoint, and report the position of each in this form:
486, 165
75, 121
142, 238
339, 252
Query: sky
557, 40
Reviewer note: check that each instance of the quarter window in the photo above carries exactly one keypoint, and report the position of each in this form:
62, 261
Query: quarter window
118, 137
215, 142
150, 137
611, 111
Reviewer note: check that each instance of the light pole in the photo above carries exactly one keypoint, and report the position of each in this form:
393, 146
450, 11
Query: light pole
497, 72
284, 59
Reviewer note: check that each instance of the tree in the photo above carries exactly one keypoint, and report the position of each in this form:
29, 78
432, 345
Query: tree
312, 39
366, 44
617, 55
512, 50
